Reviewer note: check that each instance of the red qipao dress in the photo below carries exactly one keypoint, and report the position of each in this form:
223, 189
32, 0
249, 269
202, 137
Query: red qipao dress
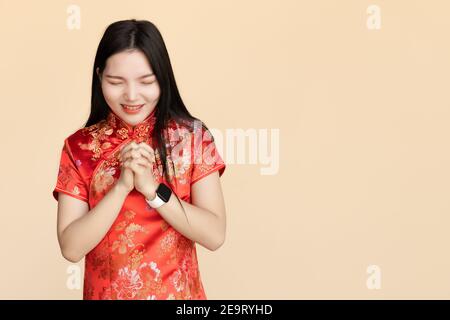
141, 256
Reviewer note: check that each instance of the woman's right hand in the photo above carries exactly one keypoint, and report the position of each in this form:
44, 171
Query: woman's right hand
126, 179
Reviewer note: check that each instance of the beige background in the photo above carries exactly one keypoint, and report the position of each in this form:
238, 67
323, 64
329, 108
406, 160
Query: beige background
364, 153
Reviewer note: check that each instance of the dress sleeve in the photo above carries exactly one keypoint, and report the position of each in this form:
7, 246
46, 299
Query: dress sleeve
206, 158
69, 179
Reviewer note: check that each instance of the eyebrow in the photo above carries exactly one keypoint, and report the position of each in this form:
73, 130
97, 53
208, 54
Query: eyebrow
121, 78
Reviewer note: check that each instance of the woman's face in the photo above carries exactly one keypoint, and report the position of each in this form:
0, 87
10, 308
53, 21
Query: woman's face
128, 83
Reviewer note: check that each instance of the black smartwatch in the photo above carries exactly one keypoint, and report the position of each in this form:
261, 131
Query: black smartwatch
163, 194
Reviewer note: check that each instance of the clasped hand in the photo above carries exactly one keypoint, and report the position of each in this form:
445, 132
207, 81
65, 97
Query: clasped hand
136, 164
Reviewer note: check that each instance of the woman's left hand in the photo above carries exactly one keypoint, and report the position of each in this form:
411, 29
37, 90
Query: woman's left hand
141, 160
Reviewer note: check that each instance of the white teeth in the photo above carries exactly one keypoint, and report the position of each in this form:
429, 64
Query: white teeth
132, 108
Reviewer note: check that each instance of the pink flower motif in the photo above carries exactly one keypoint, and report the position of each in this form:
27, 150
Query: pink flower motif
127, 284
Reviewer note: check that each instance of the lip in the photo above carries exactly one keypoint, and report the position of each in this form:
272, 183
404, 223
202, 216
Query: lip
132, 111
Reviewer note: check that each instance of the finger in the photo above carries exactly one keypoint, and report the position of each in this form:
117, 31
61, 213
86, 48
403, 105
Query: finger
150, 154
141, 161
132, 153
135, 153
147, 155
126, 147
137, 168
143, 164
129, 146
145, 146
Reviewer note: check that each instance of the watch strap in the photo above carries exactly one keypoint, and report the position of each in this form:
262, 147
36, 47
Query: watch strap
162, 196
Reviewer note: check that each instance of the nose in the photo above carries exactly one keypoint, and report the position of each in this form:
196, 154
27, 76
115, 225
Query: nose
130, 93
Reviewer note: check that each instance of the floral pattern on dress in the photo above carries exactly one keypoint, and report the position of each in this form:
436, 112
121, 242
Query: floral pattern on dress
70, 180
103, 180
125, 232
99, 144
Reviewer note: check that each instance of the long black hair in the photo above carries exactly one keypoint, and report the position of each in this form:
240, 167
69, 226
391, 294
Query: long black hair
144, 36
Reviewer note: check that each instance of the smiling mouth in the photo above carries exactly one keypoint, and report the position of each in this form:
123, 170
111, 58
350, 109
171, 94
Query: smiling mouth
132, 107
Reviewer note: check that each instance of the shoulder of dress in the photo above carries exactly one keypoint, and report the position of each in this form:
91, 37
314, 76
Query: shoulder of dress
181, 130
84, 137
190, 126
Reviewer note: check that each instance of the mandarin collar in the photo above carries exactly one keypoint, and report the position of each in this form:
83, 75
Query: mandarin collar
139, 132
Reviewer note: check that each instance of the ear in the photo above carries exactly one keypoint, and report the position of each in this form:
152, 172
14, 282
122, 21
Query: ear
98, 73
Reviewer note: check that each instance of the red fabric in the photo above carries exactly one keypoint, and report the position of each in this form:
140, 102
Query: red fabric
141, 256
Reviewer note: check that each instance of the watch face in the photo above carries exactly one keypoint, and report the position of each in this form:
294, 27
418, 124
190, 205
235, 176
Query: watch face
164, 192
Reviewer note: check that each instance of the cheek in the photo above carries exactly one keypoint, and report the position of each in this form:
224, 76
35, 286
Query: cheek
152, 93
111, 93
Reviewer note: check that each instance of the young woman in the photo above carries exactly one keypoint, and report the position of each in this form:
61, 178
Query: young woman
139, 184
